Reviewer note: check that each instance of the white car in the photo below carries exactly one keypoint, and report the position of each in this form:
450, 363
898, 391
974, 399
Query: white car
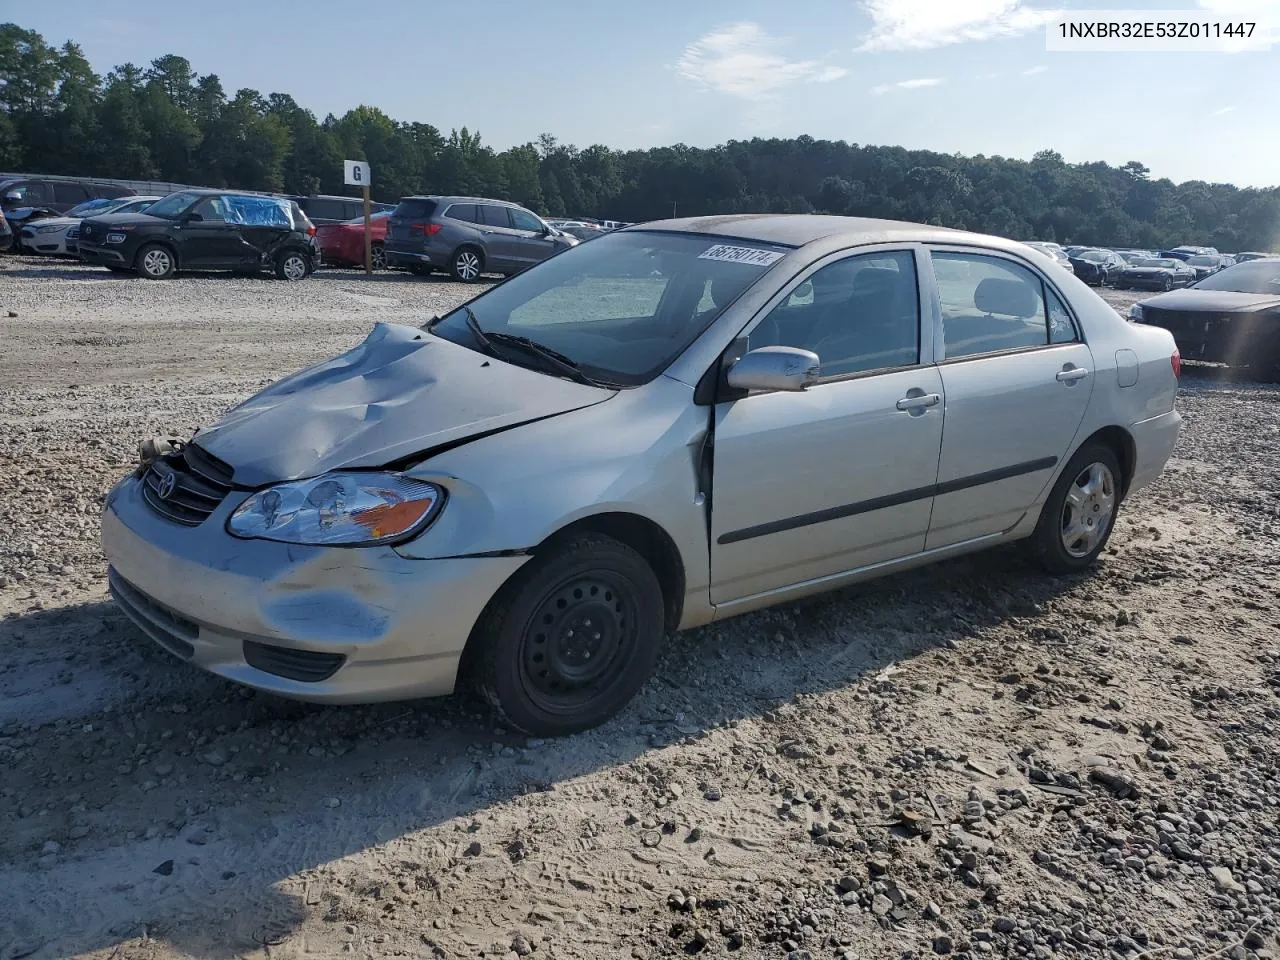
60, 236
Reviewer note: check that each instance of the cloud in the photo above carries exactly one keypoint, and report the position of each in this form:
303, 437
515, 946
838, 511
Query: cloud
742, 60
1032, 71
883, 88
1221, 110
925, 24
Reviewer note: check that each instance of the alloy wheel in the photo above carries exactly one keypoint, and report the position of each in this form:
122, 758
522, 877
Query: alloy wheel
294, 267
1088, 510
157, 262
379, 258
467, 265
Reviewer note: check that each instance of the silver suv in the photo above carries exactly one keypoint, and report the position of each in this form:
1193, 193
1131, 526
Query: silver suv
468, 236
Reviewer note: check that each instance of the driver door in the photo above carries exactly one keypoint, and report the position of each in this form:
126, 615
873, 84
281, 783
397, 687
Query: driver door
840, 476
209, 242
531, 241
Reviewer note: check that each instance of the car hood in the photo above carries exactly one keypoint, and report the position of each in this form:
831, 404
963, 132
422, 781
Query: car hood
56, 221
1216, 301
1149, 269
400, 393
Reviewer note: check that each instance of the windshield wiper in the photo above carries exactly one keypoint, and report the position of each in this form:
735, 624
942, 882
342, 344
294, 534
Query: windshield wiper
558, 360
477, 331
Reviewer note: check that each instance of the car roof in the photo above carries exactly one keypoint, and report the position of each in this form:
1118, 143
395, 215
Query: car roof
798, 229
453, 199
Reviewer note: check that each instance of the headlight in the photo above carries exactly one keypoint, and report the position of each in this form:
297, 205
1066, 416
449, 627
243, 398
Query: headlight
339, 509
1135, 313
116, 237
52, 228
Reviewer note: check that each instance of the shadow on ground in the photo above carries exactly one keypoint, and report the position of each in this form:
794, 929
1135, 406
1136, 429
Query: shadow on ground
394, 768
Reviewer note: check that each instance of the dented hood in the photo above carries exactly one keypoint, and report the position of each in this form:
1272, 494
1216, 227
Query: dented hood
401, 392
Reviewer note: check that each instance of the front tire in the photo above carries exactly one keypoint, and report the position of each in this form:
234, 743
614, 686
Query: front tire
568, 641
466, 265
292, 266
155, 262
1077, 519
1166, 284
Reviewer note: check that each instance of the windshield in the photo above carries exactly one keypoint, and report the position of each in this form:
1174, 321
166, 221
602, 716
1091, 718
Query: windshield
1157, 263
1093, 256
621, 307
1204, 261
92, 206
1255, 276
172, 206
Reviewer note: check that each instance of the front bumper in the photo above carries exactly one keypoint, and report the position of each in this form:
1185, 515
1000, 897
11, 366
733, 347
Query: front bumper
325, 624
93, 253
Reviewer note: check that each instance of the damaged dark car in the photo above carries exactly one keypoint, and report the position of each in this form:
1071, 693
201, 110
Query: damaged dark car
1231, 317
205, 230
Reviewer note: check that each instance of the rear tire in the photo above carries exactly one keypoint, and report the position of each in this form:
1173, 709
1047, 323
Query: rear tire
1167, 284
378, 257
1077, 519
155, 262
292, 266
467, 264
568, 641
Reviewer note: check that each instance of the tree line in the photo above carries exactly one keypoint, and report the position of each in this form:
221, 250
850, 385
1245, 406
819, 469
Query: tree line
167, 122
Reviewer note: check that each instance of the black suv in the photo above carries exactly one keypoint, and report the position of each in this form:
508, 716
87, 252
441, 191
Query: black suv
205, 230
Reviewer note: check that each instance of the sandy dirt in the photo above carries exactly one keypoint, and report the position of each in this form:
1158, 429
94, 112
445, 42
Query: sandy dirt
969, 760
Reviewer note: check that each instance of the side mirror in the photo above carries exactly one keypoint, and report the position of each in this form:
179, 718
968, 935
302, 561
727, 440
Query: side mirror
193, 218
775, 368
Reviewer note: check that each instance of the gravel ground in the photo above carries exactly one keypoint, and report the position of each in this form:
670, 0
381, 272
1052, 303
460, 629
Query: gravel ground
970, 760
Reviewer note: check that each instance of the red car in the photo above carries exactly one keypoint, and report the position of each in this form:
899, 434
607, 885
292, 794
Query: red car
342, 244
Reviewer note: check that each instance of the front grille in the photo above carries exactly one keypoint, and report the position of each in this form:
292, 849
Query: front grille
73, 233
193, 484
92, 232
171, 631
306, 666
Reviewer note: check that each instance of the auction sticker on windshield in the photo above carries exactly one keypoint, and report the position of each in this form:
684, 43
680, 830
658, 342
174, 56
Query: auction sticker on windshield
748, 255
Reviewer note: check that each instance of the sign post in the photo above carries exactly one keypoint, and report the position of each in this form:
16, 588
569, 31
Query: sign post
356, 174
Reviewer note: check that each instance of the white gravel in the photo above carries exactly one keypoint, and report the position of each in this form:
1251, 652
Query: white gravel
1092, 760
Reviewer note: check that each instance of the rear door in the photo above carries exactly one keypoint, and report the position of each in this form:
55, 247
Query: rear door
407, 226
1017, 378
262, 224
533, 243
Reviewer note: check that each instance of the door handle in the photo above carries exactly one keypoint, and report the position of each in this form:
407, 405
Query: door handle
919, 402
1072, 374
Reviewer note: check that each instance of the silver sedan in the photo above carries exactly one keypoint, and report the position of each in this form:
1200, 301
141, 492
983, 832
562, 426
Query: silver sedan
676, 423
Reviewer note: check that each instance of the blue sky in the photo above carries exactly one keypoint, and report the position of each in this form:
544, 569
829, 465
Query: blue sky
962, 76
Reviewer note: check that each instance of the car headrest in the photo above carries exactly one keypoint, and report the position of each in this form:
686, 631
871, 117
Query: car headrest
1009, 298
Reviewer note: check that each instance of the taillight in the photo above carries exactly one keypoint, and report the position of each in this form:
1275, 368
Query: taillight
1176, 362
311, 230
427, 229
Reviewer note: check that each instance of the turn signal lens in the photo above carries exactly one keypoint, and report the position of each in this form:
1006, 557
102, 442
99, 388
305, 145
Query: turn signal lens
1176, 362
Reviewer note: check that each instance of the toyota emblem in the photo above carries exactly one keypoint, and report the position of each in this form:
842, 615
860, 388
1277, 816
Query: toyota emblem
167, 483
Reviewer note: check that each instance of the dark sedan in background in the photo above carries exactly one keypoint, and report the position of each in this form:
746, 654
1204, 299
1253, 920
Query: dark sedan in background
1207, 264
1097, 267
1159, 273
1232, 317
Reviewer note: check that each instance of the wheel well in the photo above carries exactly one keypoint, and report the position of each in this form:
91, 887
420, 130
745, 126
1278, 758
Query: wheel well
1122, 445
647, 539
468, 246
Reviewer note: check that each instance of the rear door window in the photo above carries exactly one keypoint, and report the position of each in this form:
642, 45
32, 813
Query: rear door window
414, 209
321, 209
494, 215
465, 212
989, 305
69, 193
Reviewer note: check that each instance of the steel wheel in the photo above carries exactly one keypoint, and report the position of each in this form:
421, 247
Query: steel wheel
378, 257
466, 265
157, 263
1088, 510
577, 640
293, 266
